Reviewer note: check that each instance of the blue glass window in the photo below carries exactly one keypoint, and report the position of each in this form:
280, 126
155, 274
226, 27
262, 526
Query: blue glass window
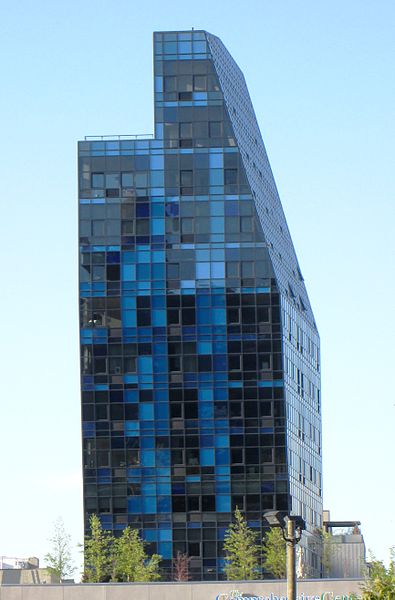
216, 175
206, 394
148, 489
149, 505
158, 301
160, 395
157, 179
128, 272
161, 411
143, 256
219, 347
207, 441
223, 504
145, 364
202, 270
170, 47
216, 161
158, 226
157, 162
217, 226
148, 458
222, 456
218, 270
217, 209
164, 504
158, 318
203, 316
135, 504
147, 442
165, 535
163, 489
164, 549
185, 47
205, 347
199, 47
132, 427
219, 316
146, 411
128, 302
222, 441
222, 487
150, 535
143, 272
163, 458
206, 410
207, 457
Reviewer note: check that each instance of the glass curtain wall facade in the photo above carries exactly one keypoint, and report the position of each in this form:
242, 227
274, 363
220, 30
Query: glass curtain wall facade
199, 351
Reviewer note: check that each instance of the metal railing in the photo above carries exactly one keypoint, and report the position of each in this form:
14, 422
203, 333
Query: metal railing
135, 136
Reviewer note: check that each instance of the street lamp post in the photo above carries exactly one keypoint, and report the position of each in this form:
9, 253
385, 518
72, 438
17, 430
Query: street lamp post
291, 527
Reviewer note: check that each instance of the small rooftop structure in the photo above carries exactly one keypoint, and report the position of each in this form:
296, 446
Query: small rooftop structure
24, 571
330, 525
14, 562
344, 552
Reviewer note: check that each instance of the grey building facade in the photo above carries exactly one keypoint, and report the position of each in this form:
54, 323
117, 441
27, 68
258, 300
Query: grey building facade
344, 551
200, 366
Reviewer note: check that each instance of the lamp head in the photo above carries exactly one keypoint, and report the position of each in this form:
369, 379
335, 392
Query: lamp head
274, 518
299, 522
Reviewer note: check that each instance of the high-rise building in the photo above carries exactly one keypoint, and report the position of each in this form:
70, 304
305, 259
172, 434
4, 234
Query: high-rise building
200, 353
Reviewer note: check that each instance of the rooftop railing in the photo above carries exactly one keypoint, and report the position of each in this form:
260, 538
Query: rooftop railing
136, 136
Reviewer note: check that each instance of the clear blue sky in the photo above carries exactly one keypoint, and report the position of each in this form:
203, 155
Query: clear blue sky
321, 77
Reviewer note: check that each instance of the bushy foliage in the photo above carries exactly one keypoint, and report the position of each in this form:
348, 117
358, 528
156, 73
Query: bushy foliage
131, 562
97, 553
274, 551
241, 551
117, 559
380, 583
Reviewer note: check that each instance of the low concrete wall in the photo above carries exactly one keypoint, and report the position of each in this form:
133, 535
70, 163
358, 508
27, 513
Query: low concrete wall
313, 589
26, 577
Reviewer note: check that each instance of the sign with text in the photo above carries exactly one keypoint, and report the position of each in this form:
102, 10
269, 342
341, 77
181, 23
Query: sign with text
327, 595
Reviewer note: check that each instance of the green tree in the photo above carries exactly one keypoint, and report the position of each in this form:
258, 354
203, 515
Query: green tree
97, 553
241, 550
131, 562
274, 552
380, 582
58, 560
328, 552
